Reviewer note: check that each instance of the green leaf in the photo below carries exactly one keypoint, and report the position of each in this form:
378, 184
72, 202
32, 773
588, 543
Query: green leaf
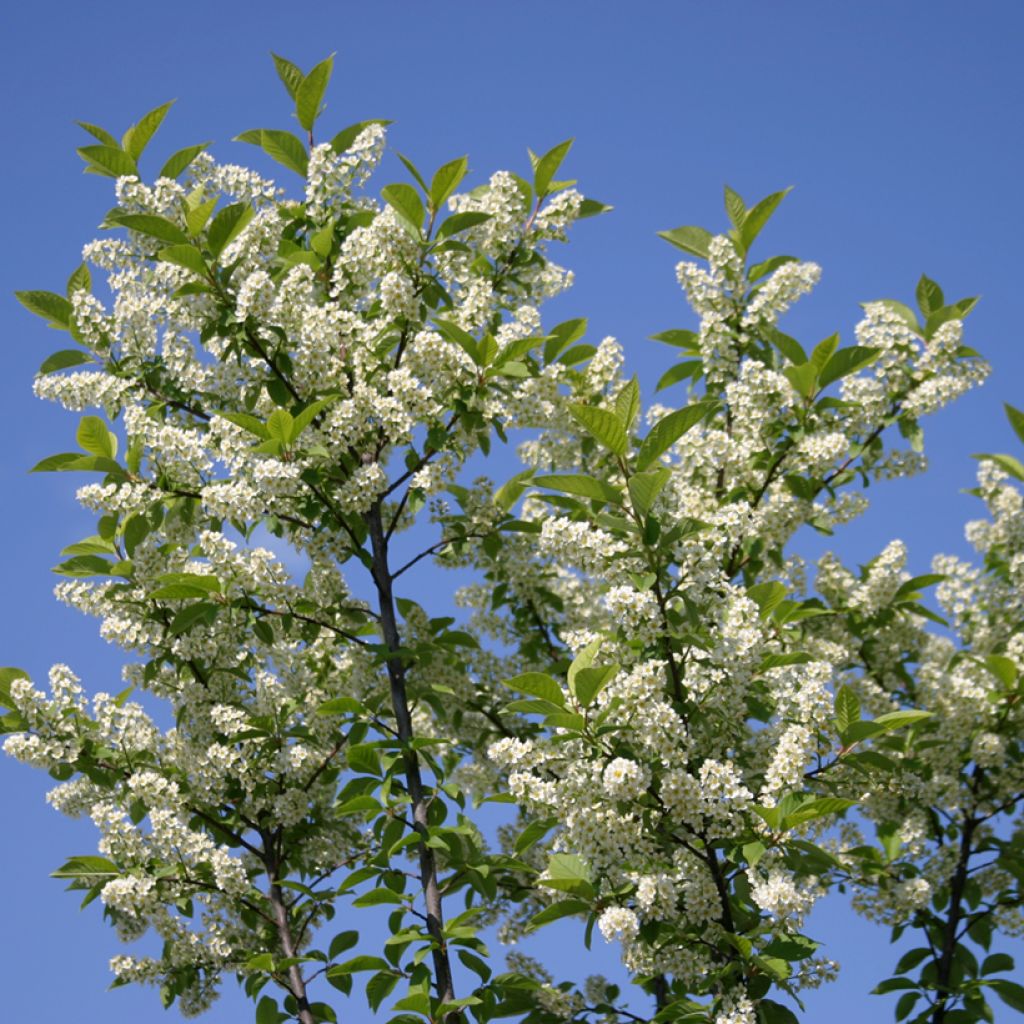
547, 167
180, 160
226, 226
344, 139
929, 296
694, 240
674, 374
1016, 418
767, 596
281, 426
359, 963
341, 942
289, 74
286, 149
846, 361
589, 682
310, 93
446, 180
603, 425
88, 867
759, 215
568, 873
266, 1011
917, 583
537, 684
1005, 462
405, 201
462, 221
340, 706
100, 134
556, 911
627, 403
592, 208
94, 437
192, 615
1010, 992
512, 490
997, 962
110, 161
847, 708
531, 835
310, 413
735, 208
363, 758
1004, 669
818, 808
251, 423
771, 1012
379, 987
900, 719
137, 137
79, 281
582, 486
668, 430
644, 488
66, 461
804, 378
187, 256
150, 224
562, 336
49, 305
378, 897
7, 676
194, 581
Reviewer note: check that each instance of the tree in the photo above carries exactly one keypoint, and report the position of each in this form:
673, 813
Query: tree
645, 671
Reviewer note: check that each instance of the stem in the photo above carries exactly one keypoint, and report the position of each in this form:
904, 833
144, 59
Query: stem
944, 965
414, 782
297, 986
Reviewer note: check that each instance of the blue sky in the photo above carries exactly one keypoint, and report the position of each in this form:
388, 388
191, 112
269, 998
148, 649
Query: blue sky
899, 124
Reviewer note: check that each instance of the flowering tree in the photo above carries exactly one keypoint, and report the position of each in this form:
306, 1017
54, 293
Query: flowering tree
698, 739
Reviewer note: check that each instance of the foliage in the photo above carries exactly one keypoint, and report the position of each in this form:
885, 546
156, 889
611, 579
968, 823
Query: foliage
698, 739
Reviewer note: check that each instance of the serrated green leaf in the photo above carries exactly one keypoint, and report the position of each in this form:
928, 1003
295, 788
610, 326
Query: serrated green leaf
644, 488
110, 161
152, 225
406, 202
1016, 418
603, 425
137, 137
94, 437
310, 93
49, 305
187, 256
847, 708
63, 360
289, 73
462, 221
537, 684
627, 403
343, 141
192, 615
547, 167
846, 361
668, 430
180, 160
691, 239
556, 911
446, 180
582, 486
759, 215
286, 148
226, 226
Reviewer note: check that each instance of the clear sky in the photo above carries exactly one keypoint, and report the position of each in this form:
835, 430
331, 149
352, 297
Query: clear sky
898, 123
